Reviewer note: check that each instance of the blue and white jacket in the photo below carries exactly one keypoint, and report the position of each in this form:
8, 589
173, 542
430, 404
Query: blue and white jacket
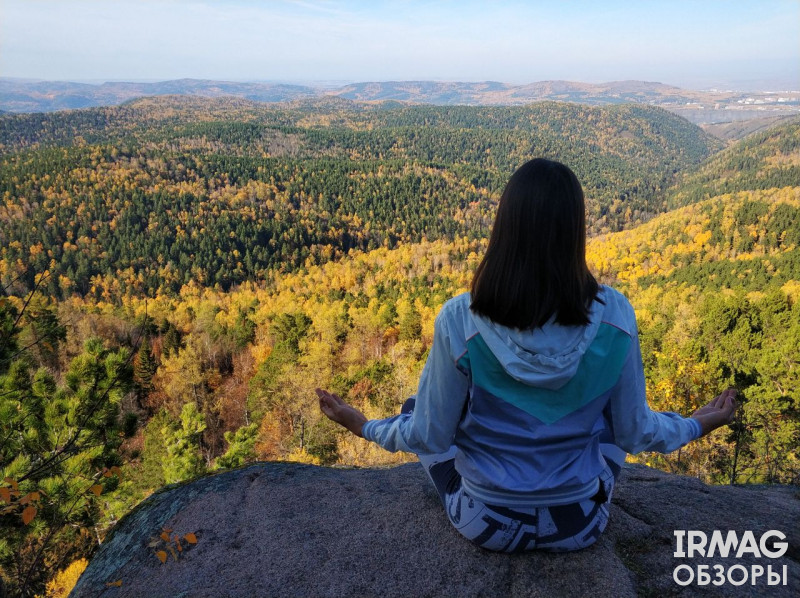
526, 409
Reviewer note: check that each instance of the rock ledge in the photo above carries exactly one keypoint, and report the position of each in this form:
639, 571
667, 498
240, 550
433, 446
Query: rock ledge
285, 529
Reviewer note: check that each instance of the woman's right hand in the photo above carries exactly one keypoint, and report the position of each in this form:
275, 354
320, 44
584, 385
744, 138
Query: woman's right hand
719, 412
334, 407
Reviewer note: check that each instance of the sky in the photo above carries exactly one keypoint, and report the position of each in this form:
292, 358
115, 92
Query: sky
753, 44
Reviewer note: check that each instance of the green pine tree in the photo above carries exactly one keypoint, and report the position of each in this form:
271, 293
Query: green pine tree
241, 446
144, 369
172, 340
58, 443
182, 440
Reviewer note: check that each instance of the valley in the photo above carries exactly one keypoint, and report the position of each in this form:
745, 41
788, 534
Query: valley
179, 273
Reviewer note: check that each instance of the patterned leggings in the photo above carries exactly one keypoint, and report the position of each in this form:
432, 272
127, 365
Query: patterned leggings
513, 529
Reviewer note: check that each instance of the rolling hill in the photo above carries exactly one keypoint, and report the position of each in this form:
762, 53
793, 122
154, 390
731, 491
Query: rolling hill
161, 191
765, 159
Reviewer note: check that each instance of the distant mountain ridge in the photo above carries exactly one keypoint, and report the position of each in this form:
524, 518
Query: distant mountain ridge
496, 93
48, 96
22, 95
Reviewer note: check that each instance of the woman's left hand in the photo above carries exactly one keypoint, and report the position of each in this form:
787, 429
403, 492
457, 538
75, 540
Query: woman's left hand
719, 412
334, 407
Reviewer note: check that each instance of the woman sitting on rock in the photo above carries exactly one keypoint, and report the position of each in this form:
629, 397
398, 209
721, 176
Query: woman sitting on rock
534, 388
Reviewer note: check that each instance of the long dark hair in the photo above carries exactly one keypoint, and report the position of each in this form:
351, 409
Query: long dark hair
535, 265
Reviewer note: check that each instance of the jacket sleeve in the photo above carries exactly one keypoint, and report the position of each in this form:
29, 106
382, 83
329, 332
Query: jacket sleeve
440, 399
636, 428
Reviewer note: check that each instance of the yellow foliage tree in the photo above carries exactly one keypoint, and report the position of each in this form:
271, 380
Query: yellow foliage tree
63, 581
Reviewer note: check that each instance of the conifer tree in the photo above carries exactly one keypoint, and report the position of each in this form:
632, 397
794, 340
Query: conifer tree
144, 369
182, 441
58, 446
8, 336
42, 332
241, 447
409, 322
172, 340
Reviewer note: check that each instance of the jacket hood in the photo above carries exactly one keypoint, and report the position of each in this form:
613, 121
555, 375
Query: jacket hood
546, 357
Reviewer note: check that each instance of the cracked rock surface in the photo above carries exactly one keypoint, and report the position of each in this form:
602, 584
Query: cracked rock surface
286, 529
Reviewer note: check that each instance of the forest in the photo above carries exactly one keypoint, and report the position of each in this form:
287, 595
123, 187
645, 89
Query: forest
154, 194
179, 274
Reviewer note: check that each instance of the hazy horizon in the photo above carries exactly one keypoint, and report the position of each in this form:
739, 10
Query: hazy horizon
713, 44
328, 84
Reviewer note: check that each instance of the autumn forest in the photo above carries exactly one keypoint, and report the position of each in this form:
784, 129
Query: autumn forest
178, 274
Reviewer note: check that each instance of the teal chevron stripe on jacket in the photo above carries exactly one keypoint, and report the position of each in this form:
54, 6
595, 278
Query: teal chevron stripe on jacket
597, 373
